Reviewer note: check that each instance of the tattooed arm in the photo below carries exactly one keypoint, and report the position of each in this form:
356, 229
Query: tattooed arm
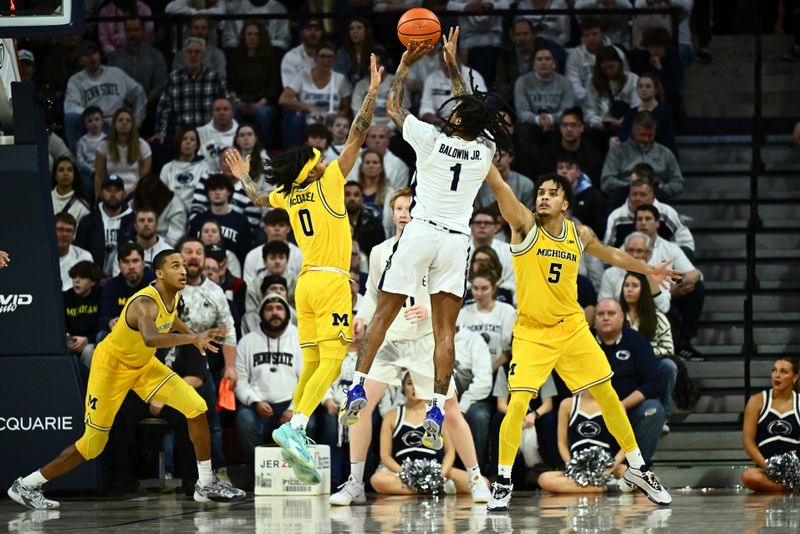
240, 168
449, 51
362, 122
394, 106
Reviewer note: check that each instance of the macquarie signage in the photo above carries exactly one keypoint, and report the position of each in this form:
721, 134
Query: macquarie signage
40, 415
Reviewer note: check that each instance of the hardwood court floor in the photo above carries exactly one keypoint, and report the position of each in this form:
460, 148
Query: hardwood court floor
713, 511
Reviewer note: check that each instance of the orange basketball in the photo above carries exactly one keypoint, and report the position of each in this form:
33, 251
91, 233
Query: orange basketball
417, 26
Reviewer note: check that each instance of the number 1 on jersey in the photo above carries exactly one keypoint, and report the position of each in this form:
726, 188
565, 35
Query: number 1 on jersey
305, 222
456, 176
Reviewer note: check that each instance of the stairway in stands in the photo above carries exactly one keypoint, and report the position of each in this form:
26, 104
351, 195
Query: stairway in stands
716, 198
704, 448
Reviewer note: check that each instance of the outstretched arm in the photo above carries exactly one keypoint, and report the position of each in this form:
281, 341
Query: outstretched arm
660, 273
394, 106
518, 216
240, 168
450, 53
362, 122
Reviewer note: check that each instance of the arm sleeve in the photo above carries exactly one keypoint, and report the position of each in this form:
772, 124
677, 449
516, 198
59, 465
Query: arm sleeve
370, 301
591, 107
606, 286
224, 317
662, 344
573, 73
73, 102
244, 391
646, 367
164, 110
481, 365
199, 199
524, 112
662, 301
134, 92
674, 186
610, 180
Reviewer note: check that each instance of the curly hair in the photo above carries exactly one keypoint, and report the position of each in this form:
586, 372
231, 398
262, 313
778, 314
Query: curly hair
477, 118
282, 170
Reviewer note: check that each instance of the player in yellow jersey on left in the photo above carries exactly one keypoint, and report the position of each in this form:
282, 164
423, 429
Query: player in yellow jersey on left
312, 192
124, 361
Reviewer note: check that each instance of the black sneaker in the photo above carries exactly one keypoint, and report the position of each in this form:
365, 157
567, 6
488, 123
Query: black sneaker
704, 55
217, 491
690, 354
501, 495
646, 480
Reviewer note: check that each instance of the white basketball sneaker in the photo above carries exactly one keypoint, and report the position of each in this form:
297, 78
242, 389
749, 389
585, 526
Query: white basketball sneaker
351, 492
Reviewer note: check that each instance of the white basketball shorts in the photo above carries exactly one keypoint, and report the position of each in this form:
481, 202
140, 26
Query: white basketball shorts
425, 249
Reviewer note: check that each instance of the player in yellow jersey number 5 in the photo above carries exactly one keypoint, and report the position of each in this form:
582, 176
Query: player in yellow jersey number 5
551, 332
312, 192
125, 360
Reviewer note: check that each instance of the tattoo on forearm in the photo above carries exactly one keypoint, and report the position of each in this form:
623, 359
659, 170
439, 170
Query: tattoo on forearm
442, 384
457, 80
363, 120
394, 100
255, 193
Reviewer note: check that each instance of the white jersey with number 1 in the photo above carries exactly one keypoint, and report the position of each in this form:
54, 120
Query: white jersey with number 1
450, 171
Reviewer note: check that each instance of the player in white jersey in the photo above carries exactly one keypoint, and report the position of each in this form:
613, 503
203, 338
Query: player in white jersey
452, 163
408, 346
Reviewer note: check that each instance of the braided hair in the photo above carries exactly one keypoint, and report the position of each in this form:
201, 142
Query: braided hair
478, 118
282, 170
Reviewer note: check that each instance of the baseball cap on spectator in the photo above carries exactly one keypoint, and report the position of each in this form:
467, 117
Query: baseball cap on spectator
87, 46
114, 180
216, 252
26, 55
305, 23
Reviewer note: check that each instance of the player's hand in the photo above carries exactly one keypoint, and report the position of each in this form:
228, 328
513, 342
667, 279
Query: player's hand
375, 74
663, 275
359, 328
415, 314
285, 417
414, 52
155, 408
78, 344
263, 409
332, 407
5, 259
240, 167
450, 47
529, 420
232, 376
204, 340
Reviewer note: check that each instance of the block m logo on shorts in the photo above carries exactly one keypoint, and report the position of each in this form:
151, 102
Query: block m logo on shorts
341, 319
92, 402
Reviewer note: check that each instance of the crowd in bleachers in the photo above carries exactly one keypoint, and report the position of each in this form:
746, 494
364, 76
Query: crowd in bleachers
141, 121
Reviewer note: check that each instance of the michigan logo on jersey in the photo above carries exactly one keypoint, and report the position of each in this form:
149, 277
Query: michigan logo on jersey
341, 319
92, 402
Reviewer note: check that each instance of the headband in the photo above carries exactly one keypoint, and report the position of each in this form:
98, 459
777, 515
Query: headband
310, 164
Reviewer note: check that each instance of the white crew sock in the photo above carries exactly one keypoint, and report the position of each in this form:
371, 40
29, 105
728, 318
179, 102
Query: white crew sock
504, 471
34, 480
474, 473
204, 475
438, 401
359, 378
357, 471
635, 459
299, 421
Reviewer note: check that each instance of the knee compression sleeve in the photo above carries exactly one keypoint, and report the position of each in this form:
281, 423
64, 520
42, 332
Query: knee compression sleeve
92, 443
511, 429
331, 354
614, 415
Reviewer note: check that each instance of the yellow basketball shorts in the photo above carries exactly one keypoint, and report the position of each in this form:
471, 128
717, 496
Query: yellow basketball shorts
568, 347
324, 307
110, 379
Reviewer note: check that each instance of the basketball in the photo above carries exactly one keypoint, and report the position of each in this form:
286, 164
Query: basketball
417, 26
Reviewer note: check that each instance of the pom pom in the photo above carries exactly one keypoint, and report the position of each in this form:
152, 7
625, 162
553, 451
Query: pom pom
785, 470
588, 466
422, 476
